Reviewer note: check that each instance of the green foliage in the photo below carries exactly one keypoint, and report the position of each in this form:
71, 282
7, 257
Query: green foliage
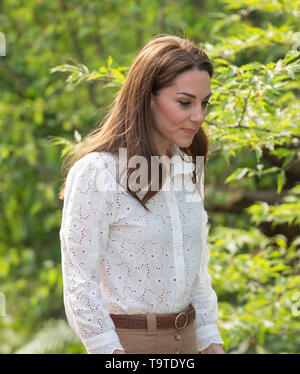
287, 212
55, 337
64, 63
80, 73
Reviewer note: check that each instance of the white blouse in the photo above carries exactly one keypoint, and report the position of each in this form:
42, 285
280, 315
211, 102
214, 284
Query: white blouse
119, 258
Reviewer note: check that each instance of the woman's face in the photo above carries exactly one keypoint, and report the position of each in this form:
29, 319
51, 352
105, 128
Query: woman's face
180, 106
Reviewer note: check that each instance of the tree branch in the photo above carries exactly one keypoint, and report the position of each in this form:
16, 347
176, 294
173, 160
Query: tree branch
244, 109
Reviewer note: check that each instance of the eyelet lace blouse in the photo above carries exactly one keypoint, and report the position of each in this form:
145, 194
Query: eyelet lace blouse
119, 258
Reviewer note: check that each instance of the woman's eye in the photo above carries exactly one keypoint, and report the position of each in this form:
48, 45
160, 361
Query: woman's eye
184, 103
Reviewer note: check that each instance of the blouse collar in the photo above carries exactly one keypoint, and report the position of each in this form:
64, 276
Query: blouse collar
181, 162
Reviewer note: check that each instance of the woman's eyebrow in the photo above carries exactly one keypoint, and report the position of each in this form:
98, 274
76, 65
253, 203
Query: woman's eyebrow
191, 95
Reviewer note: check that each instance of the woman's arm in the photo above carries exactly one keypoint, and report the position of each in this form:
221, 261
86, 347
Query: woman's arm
205, 303
83, 235
214, 349
205, 300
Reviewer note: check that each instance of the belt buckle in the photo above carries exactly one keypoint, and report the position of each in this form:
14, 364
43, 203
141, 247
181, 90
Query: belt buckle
185, 322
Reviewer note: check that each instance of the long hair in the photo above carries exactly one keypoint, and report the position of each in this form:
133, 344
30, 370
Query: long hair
128, 124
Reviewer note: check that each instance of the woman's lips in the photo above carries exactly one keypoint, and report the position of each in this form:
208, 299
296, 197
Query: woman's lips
189, 131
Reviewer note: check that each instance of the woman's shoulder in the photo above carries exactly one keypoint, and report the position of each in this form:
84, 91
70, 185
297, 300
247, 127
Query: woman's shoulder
95, 160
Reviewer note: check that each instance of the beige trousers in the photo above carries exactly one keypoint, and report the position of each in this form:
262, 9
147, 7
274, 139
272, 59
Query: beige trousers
158, 341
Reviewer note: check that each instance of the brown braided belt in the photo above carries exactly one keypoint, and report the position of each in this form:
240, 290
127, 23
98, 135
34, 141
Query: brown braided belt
139, 321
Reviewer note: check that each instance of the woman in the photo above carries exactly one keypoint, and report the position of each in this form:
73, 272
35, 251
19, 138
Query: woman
135, 260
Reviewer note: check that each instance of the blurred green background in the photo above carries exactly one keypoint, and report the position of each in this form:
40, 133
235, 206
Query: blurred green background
65, 62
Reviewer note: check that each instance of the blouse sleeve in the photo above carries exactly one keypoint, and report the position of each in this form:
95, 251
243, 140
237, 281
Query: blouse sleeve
205, 298
83, 234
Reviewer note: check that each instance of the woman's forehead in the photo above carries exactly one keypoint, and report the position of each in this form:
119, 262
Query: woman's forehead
194, 83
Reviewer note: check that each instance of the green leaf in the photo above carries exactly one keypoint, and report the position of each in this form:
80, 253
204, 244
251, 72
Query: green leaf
109, 61
281, 181
237, 174
221, 61
288, 159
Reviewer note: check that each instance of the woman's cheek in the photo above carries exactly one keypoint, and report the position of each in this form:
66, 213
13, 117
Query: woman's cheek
175, 115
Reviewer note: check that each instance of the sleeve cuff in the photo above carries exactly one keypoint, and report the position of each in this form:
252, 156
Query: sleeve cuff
207, 335
103, 343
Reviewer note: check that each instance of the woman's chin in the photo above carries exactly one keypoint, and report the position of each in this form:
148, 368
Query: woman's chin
184, 143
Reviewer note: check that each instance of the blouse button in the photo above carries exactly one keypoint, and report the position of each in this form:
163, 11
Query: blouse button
177, 337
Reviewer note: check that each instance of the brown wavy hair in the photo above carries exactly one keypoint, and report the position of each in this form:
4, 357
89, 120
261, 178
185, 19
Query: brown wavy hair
128, 124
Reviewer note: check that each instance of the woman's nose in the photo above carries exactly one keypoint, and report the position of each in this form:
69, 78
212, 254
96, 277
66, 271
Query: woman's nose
198, 115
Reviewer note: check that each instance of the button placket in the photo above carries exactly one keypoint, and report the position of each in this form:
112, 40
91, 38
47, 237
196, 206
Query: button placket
178, 344
177, 245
